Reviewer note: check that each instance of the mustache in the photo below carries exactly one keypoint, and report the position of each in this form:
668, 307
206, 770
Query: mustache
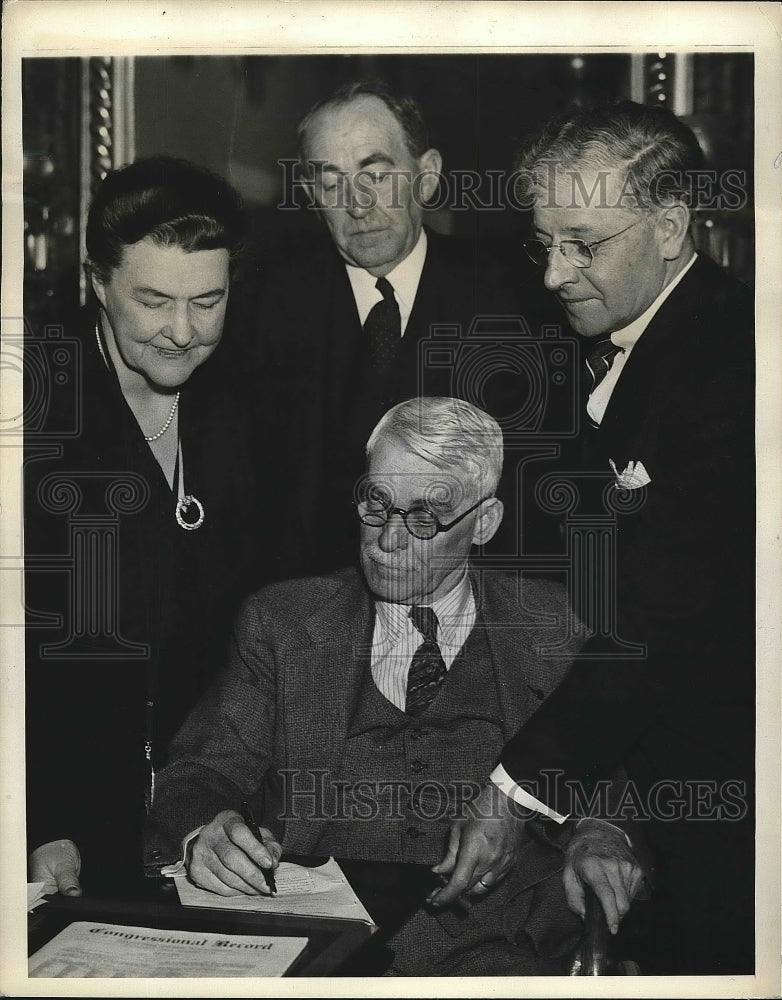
389, 561
407, 561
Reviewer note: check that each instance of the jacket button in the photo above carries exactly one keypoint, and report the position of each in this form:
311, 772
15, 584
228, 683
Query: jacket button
416, 734
416, 766
413, 832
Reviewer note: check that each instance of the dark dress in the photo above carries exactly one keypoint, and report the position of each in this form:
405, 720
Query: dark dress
128, 614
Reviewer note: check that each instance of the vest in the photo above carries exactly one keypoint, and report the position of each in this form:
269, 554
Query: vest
402, 778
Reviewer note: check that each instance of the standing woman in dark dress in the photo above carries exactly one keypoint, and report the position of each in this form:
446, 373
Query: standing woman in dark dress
142, 529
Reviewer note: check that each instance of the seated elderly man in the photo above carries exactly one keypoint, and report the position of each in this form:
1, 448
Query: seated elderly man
395, 687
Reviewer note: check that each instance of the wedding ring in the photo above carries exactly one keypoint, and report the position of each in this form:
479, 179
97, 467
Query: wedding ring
481, 882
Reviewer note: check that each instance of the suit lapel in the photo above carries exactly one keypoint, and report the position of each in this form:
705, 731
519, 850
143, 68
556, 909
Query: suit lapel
510, 656
636, 395
344, 350
322, 670
438, 298
426, 296
332, 340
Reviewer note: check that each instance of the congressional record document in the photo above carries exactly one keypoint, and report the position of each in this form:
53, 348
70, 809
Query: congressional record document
87, 950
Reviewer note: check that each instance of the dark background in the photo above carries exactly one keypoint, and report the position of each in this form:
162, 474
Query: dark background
238, 115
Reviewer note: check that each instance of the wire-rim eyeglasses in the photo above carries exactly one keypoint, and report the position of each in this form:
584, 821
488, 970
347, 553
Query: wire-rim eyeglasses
420, 521
576, 252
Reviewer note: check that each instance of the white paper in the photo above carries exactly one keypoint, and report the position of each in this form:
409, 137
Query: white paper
35, 894
307, 892
87, 950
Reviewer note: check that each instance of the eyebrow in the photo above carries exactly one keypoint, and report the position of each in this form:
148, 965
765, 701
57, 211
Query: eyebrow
155, 293
578, 230
381, 485
377, 157
582, 229
435, 506
417, 503
323, 168
364, 162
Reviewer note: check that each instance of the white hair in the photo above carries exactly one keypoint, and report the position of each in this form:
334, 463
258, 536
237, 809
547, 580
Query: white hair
451, 434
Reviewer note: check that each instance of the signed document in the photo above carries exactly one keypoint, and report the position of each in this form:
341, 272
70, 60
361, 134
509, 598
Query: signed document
89, 950
35, 895
306, 892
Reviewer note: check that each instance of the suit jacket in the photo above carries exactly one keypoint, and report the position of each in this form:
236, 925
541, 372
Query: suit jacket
291, 695
684, 406
290, 691
320, 399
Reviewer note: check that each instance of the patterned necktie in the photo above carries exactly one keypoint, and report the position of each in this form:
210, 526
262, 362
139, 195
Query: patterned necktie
383, 328
600, 360
427, 668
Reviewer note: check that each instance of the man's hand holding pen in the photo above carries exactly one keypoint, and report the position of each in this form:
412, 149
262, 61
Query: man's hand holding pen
228, 857
249, 817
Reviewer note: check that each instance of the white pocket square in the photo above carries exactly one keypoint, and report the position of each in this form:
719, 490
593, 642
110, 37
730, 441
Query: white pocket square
633, 478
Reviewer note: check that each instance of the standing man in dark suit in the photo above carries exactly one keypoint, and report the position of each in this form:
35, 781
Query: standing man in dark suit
364, 709
671, 416
341, 328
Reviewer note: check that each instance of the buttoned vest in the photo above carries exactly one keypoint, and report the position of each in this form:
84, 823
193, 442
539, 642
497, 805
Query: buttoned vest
401, 778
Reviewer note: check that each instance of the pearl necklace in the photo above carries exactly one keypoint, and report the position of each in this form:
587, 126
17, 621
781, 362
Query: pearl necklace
187, 504
172, 411
167, 424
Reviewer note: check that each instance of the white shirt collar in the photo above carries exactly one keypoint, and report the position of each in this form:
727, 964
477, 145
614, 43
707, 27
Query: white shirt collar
404, 278
628, 336
454, 610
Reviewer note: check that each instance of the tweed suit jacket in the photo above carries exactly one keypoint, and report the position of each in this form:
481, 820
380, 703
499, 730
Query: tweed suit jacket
285, 701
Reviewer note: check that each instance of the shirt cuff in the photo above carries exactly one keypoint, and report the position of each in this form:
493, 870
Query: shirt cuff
500, 777
179, 867
596, 819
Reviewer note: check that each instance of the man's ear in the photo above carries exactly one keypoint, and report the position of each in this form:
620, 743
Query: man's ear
430, 166
673, 225
489, 520
98, 287
308, 172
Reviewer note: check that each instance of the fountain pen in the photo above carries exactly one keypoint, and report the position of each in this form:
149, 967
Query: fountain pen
249, 817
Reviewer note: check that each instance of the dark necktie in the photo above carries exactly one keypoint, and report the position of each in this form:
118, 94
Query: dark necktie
427, 668
599, 362
383, 328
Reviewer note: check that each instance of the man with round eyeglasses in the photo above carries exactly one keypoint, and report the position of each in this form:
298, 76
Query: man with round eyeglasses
362, 710
419, 521
667, 416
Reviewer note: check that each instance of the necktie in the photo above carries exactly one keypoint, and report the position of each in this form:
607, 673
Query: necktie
383, 328
600, 360
427, 668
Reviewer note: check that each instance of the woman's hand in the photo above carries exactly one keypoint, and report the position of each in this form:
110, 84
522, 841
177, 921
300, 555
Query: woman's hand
58, 865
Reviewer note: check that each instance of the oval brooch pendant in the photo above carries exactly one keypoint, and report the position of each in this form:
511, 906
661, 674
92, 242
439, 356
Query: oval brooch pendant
187, 518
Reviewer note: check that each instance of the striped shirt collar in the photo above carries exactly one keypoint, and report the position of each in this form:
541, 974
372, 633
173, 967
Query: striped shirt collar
455, 613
